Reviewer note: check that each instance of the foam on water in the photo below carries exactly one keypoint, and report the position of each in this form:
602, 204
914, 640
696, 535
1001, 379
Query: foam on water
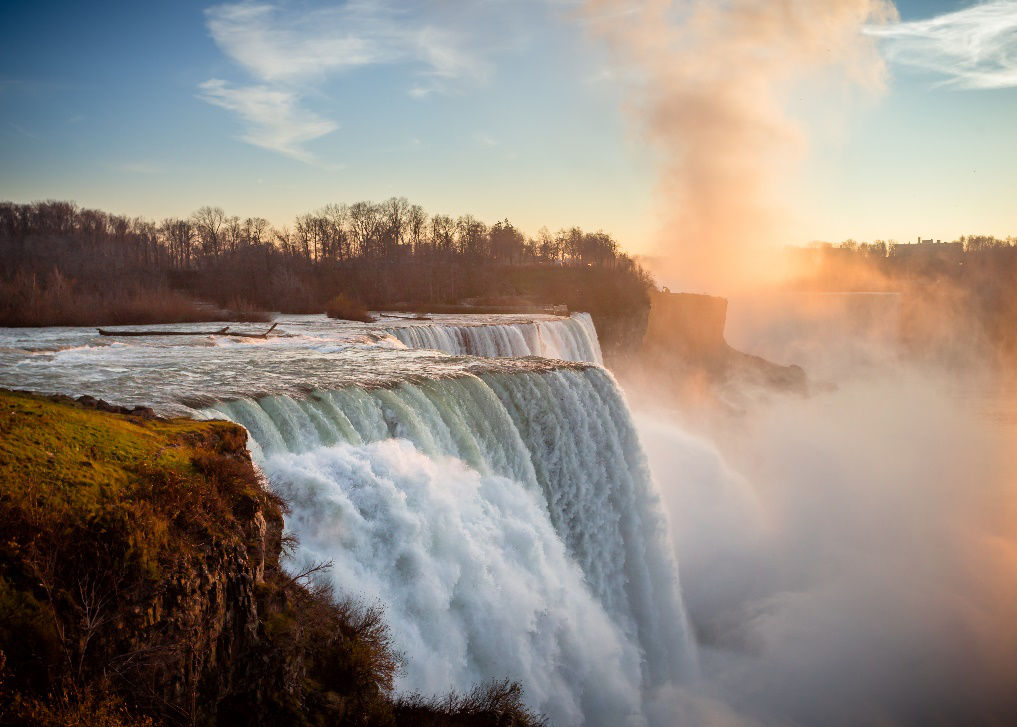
507, 521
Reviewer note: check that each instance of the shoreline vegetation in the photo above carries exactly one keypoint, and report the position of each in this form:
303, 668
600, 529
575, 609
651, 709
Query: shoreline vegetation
141, 583
64, 265
342, 307
956, 297
29, 301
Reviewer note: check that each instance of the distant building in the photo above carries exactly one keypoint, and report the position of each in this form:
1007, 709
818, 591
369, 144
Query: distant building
931, 251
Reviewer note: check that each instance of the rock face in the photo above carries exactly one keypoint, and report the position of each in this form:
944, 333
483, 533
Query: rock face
685, 342
686, 324
140, 583
134, 552
205, 619
620, 335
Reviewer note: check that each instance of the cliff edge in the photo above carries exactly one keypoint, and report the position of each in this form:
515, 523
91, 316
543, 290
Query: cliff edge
686, 330
140, 584
684, 359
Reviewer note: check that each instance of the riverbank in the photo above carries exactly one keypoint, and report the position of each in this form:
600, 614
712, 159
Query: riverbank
29, 301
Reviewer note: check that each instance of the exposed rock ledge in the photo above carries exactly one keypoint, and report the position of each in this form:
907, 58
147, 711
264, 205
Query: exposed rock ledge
687, 330
683, 357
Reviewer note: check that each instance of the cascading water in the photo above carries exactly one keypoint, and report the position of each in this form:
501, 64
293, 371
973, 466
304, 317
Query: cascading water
506, 521
568, 339
499, 509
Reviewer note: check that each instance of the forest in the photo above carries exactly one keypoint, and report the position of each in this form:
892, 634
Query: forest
61, 264
958, 295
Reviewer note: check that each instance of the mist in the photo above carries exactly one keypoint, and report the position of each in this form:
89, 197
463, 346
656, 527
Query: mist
712, 84
848, 557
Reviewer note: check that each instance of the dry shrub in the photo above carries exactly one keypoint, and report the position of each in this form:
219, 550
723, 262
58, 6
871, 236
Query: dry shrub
347, 309
349, 653
92, 705
243, 310
25, 301
496, 703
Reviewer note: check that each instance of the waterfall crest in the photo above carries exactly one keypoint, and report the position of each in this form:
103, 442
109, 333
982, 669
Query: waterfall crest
568, 339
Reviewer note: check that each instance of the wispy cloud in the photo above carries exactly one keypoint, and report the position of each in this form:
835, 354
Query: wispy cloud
136, 168
485, 140
292, 49
274, 117
975, 48
22, 131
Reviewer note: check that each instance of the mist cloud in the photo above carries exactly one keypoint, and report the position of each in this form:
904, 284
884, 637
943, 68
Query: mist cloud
850, 557
860, 570
710, 96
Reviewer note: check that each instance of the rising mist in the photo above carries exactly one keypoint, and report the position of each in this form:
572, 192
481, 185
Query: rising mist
710, 87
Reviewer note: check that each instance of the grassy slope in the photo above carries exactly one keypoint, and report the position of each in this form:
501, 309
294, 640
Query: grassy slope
86, 456
64, 465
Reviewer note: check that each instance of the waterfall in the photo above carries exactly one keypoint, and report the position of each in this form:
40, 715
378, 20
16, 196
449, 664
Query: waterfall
506, 521
568, 339
499, 509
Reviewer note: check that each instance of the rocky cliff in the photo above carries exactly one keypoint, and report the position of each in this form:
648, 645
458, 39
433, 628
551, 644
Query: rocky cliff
683, 359
685, 332
140, 583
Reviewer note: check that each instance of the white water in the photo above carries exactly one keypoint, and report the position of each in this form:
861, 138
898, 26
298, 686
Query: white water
568, 339
500, 510
507, 522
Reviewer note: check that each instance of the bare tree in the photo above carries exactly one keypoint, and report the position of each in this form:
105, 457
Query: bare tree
366, 222
417, 224
209, 221
443, 234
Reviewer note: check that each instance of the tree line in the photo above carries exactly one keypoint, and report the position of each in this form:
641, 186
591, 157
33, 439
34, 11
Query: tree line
393, 229
377, 253
953, 294
893, 248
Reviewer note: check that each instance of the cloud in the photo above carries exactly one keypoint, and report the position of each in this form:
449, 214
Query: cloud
292, 49
136, 168
276, 44
975, 48
274, 117
485, 140
23, 131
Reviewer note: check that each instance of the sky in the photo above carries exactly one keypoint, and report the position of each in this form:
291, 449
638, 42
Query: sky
499, 108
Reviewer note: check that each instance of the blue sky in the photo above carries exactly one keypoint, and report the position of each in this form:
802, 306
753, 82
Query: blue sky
499, 108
